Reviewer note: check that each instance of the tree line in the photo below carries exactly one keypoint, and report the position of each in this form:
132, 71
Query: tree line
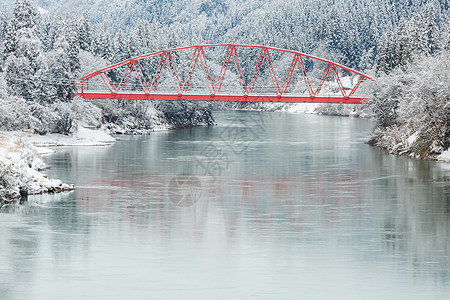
41, 54
411, 97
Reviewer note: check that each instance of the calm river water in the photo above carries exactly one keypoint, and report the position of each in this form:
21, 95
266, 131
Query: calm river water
262, 206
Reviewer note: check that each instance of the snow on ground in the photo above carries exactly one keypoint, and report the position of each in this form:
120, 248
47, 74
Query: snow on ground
20, 171
82, 137
412, 139
127, 128
445, 156
306, 108
43, 11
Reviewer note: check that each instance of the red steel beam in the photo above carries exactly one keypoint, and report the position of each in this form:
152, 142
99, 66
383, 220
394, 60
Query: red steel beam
141, 74
256, 71
158, 71
289, 75
237, 65
136, 65
190, 71
324, 77
123, 77
198, 54
361, 79
173, 72
223, 70
106, 83
305, 75
208, 77
240, 98
338, 80
272, 73
130, 70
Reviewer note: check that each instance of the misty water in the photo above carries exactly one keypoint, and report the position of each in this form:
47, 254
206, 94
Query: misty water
261, 206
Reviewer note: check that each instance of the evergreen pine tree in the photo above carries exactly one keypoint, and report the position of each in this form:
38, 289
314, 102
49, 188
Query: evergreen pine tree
4, 18
64, 63
385, 60
446, 37
102, 43
22, 48
431, 31
120, 47
51, 29
84, 32
417, 36
24, 22
402, 45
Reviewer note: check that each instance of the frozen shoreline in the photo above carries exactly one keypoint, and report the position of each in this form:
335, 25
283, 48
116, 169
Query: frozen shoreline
82, 137
445, 156
22, 166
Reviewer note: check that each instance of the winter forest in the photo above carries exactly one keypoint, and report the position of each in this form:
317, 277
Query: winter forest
46, 45
224, 149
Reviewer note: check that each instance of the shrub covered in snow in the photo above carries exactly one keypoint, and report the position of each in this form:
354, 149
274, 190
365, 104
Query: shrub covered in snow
413, 108
59, 117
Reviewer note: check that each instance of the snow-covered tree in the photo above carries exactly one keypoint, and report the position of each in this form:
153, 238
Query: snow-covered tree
386, 57
4, 20
413, 107
22, 48
84, 32
431, 31
409, 40
102, 43
64, 62
401, 46
23, 23
120, 47
417, 37
446, 37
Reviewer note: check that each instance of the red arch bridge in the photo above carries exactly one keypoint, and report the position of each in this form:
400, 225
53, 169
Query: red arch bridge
226, 72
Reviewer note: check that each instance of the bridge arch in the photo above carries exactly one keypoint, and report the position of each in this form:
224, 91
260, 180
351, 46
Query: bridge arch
238, 66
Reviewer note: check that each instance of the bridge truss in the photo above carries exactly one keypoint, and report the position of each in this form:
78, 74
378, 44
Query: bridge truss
225, 72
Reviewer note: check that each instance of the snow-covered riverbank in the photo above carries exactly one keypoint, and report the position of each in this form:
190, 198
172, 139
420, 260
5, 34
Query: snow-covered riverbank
22, 166
344, 110
21, 170
81, 137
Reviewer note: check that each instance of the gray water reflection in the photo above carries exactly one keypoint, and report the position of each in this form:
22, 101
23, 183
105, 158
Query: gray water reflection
305, 210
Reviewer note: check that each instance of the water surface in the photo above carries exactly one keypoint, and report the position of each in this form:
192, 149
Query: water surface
262, 206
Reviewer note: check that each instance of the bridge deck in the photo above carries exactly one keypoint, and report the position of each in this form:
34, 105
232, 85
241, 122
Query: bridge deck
223, 97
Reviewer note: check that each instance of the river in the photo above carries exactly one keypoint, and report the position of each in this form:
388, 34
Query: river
261, 206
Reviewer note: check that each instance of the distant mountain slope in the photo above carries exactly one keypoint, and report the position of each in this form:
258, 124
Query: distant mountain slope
347, 31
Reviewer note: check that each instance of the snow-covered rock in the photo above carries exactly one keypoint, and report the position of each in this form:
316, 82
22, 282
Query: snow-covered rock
20, 166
